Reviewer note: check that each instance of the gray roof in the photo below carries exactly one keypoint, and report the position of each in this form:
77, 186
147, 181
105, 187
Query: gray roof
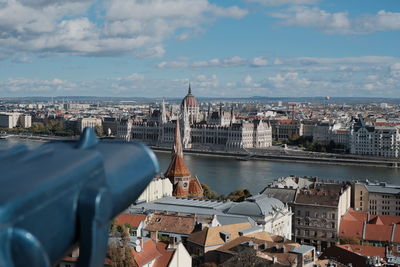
234, 219
285, 195
181, 205
257, 206
302, 249
383, 189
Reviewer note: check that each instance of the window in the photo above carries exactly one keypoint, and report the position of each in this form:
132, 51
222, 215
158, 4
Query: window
307, 214
298, 213
332, 224
333, 215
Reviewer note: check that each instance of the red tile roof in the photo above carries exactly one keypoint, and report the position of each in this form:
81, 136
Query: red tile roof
166, 257
131, 219
369, 251
179, 191
177, 168
378, 232
148, 253
377, 227
195, 189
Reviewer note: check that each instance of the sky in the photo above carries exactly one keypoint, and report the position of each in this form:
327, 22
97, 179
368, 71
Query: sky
224, 48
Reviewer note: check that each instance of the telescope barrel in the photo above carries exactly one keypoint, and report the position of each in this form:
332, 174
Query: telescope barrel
64, 194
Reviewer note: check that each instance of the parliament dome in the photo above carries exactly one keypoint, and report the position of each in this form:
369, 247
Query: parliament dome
189, 99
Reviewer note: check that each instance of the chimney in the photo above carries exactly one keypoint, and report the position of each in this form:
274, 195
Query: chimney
364, 228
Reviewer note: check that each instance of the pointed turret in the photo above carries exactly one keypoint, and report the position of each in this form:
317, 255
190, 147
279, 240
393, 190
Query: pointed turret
163, 113
190, 90
177, 148
177, 169
184, 184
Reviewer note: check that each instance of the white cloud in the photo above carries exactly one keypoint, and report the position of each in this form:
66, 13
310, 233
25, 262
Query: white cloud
234, 61
395, 70
290, 79
248, 80
339, 22
137, 26
171, 64
277, 61
258, 62
283, 2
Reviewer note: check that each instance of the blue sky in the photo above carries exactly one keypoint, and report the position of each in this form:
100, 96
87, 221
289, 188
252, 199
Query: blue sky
226, 48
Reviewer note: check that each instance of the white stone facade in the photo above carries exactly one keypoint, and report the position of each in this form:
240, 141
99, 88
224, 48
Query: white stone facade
157, 188
12, 120
382, 141
236, 136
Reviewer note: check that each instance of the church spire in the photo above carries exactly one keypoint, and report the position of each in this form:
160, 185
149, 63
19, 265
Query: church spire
190, 90
177, 148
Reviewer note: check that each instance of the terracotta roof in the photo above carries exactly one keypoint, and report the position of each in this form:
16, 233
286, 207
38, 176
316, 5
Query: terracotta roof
171, 223
179, 191
195, 188
177, 168
149, 252
369, 251
166, 257
131, 219
377, 220
378, 228
378, 232
351, 229
212, 236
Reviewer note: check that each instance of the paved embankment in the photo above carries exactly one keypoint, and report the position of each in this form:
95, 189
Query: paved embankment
332, 159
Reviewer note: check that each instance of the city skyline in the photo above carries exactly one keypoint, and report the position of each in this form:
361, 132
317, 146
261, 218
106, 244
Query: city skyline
225, 49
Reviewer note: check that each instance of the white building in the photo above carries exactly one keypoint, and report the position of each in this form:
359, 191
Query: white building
382, 141
88, 122
157, 188
12, 120
216, 133
271, 213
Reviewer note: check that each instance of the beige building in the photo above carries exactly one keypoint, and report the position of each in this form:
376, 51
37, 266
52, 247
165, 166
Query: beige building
317, 212
376, 198
88, 122
157, 188
285, 129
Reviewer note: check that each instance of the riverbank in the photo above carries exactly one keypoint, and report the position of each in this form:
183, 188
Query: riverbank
266, 155
336, 160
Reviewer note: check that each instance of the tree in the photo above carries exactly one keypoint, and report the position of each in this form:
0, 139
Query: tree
239, 195
120, 252
208, 193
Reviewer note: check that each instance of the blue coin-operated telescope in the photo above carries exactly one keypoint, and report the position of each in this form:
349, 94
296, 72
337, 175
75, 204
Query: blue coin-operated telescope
65, 194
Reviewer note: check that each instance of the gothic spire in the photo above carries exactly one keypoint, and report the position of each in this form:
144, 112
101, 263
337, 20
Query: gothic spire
177, 148
190, 90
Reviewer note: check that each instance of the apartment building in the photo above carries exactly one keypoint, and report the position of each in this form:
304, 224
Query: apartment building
376, 198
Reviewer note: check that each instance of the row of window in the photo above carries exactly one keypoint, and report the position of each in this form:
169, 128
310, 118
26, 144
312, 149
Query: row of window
317, 215
315, 234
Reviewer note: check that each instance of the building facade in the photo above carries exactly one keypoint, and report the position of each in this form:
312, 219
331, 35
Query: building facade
220, 130
317, 212
376, 198
12, 120
381, 141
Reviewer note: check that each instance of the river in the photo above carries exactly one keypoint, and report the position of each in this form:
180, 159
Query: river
225, 175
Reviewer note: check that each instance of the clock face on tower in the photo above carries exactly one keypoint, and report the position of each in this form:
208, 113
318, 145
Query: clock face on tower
185, 185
